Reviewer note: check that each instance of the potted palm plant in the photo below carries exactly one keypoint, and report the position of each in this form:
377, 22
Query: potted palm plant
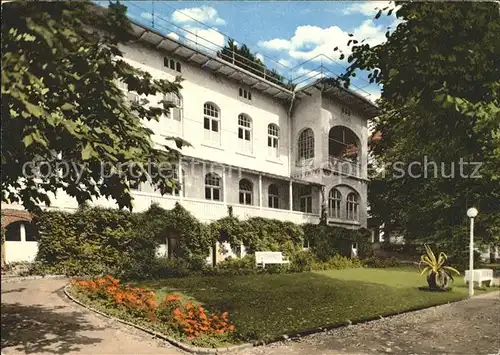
439, 276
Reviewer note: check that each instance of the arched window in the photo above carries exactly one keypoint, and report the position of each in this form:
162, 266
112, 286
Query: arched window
352, 206
273, 136
246, 192
13, 232
176, 112
273, 196
342, 143
334, 203
178, 67
173, 173
211, 123
305, 195
306, 145
245, 132
213, 187
21, 231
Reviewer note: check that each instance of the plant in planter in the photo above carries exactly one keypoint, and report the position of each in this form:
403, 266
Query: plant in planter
439, 276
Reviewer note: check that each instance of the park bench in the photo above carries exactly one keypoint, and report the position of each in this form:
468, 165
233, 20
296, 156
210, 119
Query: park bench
480, 275
263, 258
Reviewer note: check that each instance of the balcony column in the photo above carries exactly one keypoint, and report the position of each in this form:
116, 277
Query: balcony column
321, 196
290, 197
260, 191
224, 199
179, 174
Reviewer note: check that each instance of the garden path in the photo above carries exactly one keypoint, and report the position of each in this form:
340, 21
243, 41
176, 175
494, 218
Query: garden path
38, 319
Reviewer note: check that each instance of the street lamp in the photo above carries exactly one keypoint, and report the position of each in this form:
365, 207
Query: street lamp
471, 213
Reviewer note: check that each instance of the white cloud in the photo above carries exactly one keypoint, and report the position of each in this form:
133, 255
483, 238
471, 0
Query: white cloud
205, 14
285, 62
311, 41
147, 15
260, 57
275, 44
368, 8
206, 37
173, 35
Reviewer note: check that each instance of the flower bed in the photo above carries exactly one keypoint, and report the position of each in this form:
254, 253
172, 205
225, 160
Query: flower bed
172, 316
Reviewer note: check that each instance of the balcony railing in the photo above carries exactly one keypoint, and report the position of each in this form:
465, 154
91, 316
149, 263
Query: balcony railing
345, 167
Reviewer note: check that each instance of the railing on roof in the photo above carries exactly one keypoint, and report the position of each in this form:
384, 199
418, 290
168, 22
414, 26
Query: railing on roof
295, 77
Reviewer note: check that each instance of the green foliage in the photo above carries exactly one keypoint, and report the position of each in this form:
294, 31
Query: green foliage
91, 241
336, 262
378, 262
327, 241
193, 240
258, 234
244, 58
444, 106
61, 104
438, 274
302, 261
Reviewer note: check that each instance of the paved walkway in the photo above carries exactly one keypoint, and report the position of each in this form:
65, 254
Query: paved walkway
38, 319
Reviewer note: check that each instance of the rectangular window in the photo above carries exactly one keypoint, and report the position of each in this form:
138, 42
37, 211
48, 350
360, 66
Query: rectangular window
247, 135
216, 194
240, 133
306, 204
208, 193
215, 126
206, 123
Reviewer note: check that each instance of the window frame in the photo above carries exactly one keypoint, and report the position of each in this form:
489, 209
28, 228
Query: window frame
178, 100
245, 192
334, 203
305, 145
273, 197
352, 206
273, 139
213, 183
305, 199
212, 114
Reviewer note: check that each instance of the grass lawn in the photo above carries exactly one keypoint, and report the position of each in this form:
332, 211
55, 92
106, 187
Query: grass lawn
264, 306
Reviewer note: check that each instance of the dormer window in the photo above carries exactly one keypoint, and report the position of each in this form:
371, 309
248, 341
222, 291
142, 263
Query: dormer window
346, 111
172, 64
245, 94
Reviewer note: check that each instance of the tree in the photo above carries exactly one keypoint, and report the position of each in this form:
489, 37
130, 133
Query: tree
61, 105
440, 73
244, 58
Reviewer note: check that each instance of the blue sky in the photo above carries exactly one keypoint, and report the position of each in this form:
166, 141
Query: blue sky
283, 34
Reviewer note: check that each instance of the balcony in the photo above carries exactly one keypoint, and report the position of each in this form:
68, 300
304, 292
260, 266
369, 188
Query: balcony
344, 167
207, 211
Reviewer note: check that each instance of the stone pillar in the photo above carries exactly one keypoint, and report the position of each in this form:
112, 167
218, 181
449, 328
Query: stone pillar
290, 197
260, 191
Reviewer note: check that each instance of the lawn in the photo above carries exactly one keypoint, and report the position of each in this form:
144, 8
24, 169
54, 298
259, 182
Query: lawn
265, 306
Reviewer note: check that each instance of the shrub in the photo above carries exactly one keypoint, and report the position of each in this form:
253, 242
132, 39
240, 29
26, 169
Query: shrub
91, 241
302, 261
337, 262
377, 262
328, 241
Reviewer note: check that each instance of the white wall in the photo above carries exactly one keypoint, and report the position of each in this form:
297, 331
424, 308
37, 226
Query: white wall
200, 86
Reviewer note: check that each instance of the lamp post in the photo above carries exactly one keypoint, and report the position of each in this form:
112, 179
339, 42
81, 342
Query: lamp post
471, 213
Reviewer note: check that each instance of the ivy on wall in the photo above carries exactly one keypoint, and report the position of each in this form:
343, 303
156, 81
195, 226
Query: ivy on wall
95, 241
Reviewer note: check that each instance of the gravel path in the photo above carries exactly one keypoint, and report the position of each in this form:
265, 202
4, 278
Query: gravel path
38, 319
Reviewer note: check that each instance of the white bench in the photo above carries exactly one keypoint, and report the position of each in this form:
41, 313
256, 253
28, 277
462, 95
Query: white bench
480, 275
262, 258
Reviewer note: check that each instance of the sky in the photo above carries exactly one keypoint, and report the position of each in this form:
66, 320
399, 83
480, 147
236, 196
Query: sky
297, 38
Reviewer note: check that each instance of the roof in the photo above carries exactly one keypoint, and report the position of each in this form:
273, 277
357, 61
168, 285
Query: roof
203, 56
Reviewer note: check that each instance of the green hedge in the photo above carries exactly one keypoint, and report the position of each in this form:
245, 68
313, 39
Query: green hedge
91, 241
95, 241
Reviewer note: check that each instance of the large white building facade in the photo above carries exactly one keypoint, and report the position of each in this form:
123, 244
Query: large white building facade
258, 147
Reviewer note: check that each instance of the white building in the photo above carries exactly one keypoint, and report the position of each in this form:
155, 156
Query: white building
256, 146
